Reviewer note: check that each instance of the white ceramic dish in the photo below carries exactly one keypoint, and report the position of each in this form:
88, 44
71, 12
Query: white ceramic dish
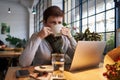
46, 68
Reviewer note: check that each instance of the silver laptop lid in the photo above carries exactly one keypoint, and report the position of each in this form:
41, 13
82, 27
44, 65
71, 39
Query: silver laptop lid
87, 54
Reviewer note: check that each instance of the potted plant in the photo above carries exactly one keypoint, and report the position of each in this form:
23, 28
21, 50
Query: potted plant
17, 42
88, 36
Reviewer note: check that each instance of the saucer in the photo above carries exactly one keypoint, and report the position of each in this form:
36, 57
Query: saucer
46, 68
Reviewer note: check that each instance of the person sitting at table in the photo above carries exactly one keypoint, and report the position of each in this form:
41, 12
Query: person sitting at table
38, 50
3, 62
2, 45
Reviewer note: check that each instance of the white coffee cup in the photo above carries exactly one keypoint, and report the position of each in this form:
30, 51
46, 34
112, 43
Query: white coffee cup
56, 29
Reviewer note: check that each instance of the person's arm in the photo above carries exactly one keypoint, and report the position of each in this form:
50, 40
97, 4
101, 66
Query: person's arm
69, 48
73, 42
66, 32
28, 54
69, 43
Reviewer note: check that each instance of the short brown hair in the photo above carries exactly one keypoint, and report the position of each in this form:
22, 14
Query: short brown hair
52, 11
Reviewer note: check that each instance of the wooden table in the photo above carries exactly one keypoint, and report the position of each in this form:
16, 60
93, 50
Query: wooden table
91, 74
9, 54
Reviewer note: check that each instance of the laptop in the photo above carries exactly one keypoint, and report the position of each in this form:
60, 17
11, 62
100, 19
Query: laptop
87, 54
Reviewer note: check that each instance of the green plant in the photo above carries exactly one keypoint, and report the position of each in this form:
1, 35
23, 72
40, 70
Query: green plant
65, 24
110, 43
88, 36
17, 42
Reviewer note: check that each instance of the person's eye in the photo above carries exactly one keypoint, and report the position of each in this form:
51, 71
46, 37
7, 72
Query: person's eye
59, 22
53, 23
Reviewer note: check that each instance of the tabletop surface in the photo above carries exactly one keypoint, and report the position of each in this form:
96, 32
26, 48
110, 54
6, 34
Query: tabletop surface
9, 53
89, 74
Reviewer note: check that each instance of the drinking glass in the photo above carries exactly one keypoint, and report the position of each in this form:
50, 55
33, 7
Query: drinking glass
58, 65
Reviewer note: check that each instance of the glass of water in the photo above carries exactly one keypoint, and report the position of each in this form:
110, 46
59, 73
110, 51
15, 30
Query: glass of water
58, 65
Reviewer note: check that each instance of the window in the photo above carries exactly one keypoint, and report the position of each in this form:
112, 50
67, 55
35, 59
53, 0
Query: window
38, 17
98, 15
72, 17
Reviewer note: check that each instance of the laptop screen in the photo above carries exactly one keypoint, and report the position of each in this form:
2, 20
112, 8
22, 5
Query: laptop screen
87, 54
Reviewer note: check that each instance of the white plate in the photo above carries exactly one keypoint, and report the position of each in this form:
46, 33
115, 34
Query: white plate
47, 68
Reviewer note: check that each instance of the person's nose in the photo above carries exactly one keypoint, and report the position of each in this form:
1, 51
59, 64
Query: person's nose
55, 23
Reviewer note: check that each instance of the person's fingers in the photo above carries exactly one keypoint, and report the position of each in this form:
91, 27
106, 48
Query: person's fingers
48, 28
48, 31
66, 31
45, 32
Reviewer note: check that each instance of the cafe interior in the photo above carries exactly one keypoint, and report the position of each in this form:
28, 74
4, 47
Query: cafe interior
19, 19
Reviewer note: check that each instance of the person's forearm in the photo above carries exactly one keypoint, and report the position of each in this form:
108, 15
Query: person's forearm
72, 41
28, 54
